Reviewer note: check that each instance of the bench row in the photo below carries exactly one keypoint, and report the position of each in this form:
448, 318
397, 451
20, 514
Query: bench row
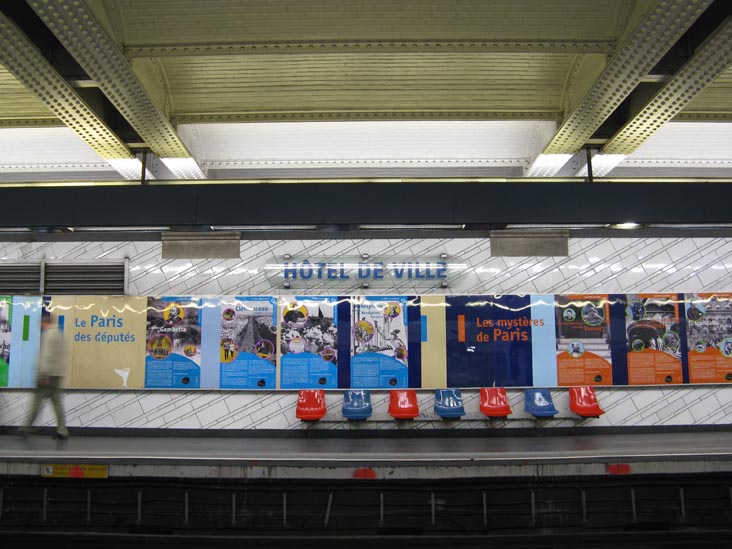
448, 403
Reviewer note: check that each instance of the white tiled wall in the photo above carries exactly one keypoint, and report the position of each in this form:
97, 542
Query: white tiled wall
618, 265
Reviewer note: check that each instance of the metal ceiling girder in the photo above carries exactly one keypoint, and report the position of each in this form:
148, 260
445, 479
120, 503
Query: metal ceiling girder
709, 60
83, 36
644, 47
21, 57
133, 51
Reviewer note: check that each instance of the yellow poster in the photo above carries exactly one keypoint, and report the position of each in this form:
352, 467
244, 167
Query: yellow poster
108, 342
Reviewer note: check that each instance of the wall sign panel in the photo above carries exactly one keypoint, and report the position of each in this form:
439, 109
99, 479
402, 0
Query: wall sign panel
309, 342
653, 338
583, 340
248, 343
173, 358
709, 337
379, 342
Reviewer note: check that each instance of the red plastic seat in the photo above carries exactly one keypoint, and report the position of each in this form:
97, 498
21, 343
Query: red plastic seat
494, 402
403, 404
583, 402
310, 404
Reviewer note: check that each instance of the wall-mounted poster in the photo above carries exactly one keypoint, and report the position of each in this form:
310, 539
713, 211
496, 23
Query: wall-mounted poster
653, 337
173, 348
489, 340
6, 318
109, 341
309, 342
583, 340
248, 343
709, 337
379, 350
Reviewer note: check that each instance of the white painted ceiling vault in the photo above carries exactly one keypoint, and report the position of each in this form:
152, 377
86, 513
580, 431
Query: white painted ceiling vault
268, 89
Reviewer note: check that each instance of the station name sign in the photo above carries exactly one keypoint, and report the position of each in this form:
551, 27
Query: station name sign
356, 270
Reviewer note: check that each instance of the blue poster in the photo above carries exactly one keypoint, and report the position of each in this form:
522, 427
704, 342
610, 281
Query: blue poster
379, 350
489, 340
248, 343
173, 350
309, 342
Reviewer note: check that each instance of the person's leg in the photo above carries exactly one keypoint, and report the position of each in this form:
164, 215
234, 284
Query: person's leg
55, 393
38, 395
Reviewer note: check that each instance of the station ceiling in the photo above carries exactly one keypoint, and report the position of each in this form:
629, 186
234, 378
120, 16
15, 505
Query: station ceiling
353, 92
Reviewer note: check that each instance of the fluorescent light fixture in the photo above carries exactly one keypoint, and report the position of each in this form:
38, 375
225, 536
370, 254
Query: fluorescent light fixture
602, 164
184, 168
14, 229
547, 165
379, 227
624, 225
121, 229
263, 227
129, 168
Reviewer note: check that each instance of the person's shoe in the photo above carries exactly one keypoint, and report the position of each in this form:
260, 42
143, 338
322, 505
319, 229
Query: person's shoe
60, 436
23, 432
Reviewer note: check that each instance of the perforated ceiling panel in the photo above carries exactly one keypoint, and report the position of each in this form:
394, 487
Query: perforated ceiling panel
19, 106
22, 59
714, 103
74, 24
643, 48
708, 62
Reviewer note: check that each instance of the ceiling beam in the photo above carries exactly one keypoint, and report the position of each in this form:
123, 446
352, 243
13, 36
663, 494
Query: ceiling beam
21, 57
708, 62
480, 45
646, 45
76, 27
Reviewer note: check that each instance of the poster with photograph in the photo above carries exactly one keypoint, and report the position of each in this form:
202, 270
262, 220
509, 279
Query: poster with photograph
248, 343
653, 338
309, 342
709, 337
6, 319
583, 339
379, 351
173, 343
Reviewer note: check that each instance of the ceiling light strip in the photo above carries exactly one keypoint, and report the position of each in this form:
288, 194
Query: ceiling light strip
645, 46
26, 63
707, 63
75, 26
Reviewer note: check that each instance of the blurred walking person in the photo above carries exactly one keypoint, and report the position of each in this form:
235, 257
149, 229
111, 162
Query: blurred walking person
51, 371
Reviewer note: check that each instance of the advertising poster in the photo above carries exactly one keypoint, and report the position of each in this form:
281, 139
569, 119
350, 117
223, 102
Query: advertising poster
709, 337
109, 342
248, 343
309, 342
489, 341
173, 339
6, 320
583, 340
379, 351
25, 340
653, 338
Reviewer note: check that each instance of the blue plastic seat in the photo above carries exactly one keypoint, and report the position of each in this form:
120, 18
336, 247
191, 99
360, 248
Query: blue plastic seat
538, 402
356, 404
449, 403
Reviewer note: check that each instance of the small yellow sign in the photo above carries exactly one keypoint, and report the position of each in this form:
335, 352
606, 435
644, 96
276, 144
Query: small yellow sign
68, 470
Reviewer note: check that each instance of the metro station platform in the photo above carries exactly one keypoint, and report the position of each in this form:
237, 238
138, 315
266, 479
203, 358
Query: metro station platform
398, 489
402, 455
